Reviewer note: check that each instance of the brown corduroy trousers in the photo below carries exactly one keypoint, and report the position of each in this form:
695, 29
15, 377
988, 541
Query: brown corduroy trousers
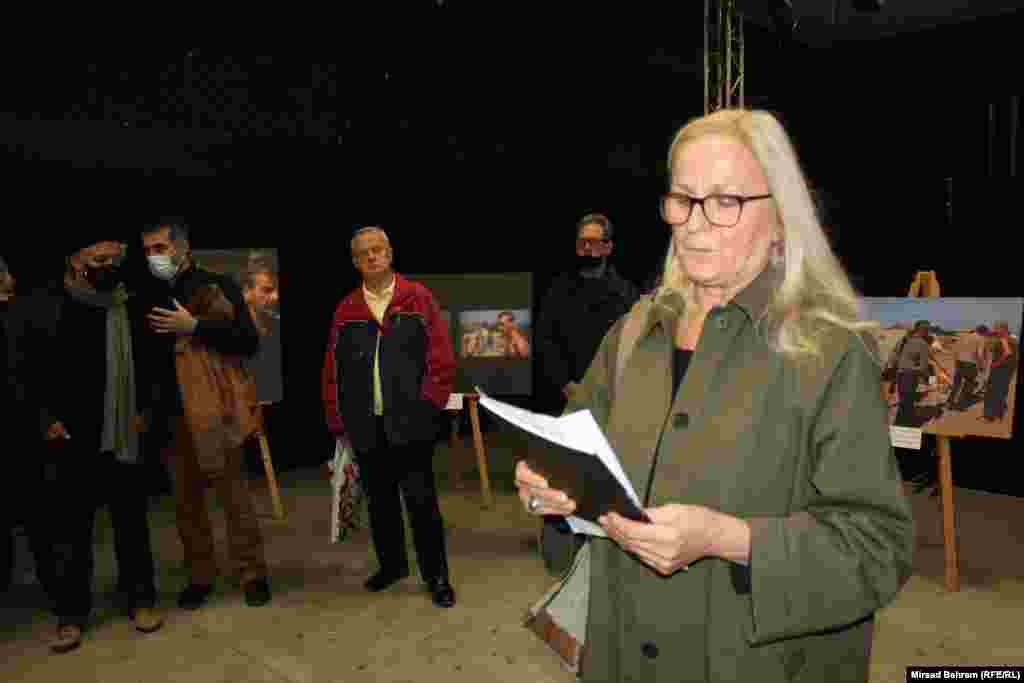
245, 540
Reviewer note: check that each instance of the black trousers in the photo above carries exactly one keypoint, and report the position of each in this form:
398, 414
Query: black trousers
88, 481
387, 470
31, 505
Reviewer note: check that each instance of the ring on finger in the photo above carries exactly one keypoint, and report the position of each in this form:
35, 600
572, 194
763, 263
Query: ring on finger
532, 504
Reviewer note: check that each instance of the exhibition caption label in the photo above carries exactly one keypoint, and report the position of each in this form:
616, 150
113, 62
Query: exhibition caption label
905, 437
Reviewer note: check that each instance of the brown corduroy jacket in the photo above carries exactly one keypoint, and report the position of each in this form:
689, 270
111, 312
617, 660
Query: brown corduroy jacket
218, 392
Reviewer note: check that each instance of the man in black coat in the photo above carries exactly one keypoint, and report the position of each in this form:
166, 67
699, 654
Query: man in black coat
81, 377
579, 308
23, 503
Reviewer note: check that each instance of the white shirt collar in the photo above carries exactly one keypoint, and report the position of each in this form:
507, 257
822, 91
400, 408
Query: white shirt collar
387, 291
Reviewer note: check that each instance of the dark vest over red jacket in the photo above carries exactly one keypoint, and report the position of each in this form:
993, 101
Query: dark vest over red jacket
417, 367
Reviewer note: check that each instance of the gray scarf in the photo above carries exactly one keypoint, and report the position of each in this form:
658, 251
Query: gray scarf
119, 434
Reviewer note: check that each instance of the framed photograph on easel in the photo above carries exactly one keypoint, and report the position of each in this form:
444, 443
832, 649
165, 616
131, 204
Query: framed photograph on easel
949, 363
256, 272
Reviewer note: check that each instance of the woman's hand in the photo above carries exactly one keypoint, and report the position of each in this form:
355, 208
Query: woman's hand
537, 497
677, 536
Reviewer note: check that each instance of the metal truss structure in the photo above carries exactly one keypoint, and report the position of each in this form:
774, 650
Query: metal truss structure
723, 55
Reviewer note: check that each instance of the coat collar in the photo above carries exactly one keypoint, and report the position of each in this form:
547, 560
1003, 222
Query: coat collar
667, 307
756, 297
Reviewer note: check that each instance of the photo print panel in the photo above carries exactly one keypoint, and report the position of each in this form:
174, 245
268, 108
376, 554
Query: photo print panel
495, 334
257, 274
949, 364
490, 321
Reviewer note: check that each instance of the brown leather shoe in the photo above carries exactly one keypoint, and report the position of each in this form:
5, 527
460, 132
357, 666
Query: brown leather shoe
67, 638
146, 619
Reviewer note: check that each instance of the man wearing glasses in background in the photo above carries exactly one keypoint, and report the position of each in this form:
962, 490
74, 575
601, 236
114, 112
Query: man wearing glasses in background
580, 307
577, 311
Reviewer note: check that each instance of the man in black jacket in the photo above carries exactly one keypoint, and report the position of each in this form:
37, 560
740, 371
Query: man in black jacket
175, 282
580, 307
577, 311
23, 464
81, 377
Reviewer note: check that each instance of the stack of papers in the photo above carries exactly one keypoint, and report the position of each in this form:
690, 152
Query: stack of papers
586, 468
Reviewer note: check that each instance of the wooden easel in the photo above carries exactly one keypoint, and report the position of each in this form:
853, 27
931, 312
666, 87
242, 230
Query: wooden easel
471, 401
268, 465
926, 284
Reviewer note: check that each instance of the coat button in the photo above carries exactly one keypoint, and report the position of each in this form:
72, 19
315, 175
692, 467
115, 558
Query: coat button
650, 650
680, 420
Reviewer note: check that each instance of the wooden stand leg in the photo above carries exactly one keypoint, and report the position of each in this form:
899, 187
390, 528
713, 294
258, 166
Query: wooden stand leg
948, 515
454, 455
268, 467
926, 284
481, 457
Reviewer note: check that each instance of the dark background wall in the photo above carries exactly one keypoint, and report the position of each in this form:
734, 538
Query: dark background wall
478, 149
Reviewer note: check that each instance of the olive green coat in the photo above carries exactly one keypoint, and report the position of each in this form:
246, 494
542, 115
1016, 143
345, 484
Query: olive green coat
800, 450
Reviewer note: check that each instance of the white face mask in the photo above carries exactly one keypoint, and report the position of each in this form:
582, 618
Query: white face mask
162, 266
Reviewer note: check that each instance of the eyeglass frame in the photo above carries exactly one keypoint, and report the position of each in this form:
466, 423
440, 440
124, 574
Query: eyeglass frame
376, 250
742, 199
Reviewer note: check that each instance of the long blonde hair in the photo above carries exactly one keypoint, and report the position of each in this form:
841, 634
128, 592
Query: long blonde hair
815, 292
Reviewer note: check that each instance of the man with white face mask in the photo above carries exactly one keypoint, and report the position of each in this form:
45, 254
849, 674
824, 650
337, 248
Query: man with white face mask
233, 338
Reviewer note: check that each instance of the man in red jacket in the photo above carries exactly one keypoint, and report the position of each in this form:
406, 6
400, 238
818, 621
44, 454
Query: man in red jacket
388, 371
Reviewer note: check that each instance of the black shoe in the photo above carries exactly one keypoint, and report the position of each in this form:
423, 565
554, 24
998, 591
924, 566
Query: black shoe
383, 579
127, 599
194, 596
441, 592
257, 593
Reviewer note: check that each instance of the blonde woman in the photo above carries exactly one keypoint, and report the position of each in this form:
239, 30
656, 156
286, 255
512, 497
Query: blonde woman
749, 419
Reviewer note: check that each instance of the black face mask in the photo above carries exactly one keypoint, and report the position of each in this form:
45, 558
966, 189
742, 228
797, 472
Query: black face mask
588, 262
104, 279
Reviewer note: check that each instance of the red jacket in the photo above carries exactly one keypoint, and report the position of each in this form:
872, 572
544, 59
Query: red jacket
417, 366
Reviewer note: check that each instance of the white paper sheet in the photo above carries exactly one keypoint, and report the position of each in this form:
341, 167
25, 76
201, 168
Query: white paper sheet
578, 431
454, 402
905, 437
582, 526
